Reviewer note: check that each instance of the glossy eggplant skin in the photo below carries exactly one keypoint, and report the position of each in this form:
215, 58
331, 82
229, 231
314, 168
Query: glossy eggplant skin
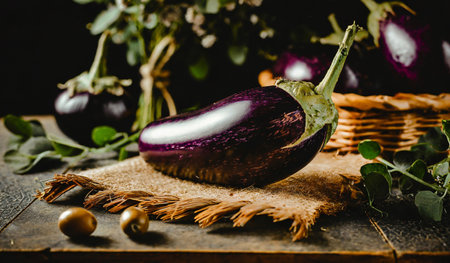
245, 139
76, 116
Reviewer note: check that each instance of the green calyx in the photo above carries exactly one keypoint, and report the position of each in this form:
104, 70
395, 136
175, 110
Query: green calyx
379, 12
316, 100
319, 110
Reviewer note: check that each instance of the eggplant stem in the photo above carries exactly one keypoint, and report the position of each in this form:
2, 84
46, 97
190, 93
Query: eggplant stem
94, 70
327, 85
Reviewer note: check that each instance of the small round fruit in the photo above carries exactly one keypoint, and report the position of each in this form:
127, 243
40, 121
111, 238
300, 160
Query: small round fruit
134, 221
77, 222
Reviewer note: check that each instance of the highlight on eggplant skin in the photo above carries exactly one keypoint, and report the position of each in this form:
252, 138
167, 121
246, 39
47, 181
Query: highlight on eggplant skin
255, 137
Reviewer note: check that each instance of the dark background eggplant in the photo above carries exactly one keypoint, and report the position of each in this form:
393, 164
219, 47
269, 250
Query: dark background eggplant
421, 68
249, 150
46, 42
364, 73
76, 116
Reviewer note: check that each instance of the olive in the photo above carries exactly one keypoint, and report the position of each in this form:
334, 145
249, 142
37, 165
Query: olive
134, 221
77, 222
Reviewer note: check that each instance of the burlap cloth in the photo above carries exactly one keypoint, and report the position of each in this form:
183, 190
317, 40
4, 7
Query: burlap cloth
325, 186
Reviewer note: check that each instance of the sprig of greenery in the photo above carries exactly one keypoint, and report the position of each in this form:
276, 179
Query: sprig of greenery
31, 146
423, 170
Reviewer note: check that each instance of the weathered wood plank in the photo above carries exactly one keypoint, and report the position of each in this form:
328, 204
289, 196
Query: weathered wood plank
413, 239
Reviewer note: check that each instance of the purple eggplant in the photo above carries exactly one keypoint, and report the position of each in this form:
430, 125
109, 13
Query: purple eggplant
92, 99
312, 67
409, 45
254, 137
77, 115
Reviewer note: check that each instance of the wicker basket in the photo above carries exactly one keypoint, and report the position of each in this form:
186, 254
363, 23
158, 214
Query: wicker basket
396, 122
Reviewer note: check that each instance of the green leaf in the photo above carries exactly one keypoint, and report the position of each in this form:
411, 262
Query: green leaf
418, 169
21, 163
436, 139
447, 181
446, 129
378, 168
441, 169
14, 142
101, 135
369, 149
43, 156
377, 181
66, 148
238, 54
429, 205
18, 126
16, 160
427, 153
105, 19
200, 68
404, 159
36, 145
376, 186
123, 154
36, 128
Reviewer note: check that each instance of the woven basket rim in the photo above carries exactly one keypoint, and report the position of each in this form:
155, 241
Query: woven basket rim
397, 102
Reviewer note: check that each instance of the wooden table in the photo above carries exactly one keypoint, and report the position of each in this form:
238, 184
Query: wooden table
29, 232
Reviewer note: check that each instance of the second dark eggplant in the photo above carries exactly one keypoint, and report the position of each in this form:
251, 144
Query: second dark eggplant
254, 137
410, 46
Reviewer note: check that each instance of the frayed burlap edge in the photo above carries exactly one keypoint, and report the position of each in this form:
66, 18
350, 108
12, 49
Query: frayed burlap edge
205, 211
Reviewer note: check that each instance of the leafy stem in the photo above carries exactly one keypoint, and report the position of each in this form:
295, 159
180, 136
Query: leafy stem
95, 67
116, 145
413, 177
31, 145
429, 159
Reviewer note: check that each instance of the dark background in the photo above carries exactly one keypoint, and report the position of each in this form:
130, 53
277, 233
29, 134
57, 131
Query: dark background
47, 42
43, 43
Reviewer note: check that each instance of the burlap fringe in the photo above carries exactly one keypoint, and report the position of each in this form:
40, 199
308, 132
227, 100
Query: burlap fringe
205, 211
